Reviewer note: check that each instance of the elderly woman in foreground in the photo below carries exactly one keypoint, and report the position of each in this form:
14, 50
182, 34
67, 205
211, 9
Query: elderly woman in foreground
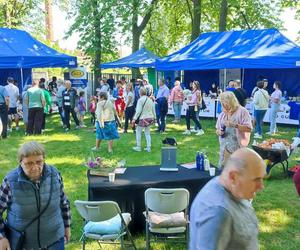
233, 126
35, 202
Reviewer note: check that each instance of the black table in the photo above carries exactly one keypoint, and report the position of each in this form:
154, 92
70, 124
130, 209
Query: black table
275, 156
128, 188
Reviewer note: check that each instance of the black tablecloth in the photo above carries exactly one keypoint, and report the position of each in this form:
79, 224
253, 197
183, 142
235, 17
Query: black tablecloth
128, 188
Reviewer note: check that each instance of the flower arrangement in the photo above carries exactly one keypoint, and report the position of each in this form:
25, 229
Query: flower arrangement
93, 162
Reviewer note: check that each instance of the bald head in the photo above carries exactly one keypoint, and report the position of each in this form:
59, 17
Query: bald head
243, 173
242, 159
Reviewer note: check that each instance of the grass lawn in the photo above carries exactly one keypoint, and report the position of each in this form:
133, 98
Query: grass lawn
277, 206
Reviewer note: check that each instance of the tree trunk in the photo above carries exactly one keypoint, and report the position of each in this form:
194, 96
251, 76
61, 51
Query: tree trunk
136, 73
49, 20
137, 30
7, 15
196, 21
98, 46
223, 15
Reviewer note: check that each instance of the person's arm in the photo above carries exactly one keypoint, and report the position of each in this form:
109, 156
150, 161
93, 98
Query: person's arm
138, 110
65, 210
5, 198
43, 98
212, 229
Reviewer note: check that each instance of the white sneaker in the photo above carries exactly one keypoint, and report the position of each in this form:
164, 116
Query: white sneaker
17, 128
95, 149
137, 149
257, 136
194, 130
270, 133
187, 132
200, 132
147, 149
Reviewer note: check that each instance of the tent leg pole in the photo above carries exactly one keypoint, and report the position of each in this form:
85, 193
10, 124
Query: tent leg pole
225, 76
243, 77
22, 80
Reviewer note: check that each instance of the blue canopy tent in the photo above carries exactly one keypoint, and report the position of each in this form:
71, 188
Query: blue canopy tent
142, 58
245, 49
19, 50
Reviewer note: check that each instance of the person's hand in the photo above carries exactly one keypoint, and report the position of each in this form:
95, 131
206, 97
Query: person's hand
4, 244
220, 132
133, 123
67, 234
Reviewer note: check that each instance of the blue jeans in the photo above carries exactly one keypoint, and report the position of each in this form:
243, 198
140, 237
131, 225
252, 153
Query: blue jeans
259, 116
273, 113
161, 122
177, 110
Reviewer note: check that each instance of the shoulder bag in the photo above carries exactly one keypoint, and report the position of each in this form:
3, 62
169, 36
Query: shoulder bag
137, 121
18, 237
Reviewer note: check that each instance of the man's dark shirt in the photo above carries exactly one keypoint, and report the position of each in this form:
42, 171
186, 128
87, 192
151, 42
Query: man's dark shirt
241, 95
51, 86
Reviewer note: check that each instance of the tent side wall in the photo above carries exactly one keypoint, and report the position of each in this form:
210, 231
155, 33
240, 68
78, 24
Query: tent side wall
290, 79
16, 74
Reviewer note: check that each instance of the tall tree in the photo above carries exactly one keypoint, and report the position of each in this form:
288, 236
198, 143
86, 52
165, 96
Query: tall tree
95, 21
223, 15
135, 15
49, 20
196, 19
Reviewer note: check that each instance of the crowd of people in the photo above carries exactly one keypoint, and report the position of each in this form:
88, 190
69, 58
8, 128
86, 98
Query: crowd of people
225, 220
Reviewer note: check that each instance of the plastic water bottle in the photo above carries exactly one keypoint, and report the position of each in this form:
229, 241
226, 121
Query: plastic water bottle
206, 163
198, 160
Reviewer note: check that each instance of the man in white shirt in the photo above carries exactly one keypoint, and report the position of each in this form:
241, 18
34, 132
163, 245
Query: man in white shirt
13, 92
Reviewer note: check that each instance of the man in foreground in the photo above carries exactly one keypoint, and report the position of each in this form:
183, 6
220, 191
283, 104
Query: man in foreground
222, 216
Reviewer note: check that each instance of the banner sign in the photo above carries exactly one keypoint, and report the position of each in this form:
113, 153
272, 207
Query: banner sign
78, 77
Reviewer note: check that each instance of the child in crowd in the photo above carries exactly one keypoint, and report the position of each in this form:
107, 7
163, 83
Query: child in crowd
92, 109
81, 109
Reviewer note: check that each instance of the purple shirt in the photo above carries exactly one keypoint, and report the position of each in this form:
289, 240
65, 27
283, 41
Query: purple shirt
163, 91
276, 95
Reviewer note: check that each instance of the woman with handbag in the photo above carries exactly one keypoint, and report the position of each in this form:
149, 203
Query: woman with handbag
275, 105
233, 127
106, 127
193, 101
143, 118
37, 208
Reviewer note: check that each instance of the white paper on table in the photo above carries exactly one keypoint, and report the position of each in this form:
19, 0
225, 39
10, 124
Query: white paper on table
120, 170
189, 165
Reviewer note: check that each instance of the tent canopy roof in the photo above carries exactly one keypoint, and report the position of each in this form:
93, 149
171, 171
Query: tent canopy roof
18, 49
142, 58
266, 48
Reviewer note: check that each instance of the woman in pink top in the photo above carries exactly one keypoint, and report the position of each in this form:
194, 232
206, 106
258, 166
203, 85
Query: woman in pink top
176, 99
275, 105
233, 127
193, 101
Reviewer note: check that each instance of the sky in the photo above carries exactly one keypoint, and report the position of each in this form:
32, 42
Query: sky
291, 25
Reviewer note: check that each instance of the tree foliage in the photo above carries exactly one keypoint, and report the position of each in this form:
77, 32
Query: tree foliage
95, 22
172, 21
13, 12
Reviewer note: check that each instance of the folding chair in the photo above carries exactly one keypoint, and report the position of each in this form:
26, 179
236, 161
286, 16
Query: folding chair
102, 211
167, 214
